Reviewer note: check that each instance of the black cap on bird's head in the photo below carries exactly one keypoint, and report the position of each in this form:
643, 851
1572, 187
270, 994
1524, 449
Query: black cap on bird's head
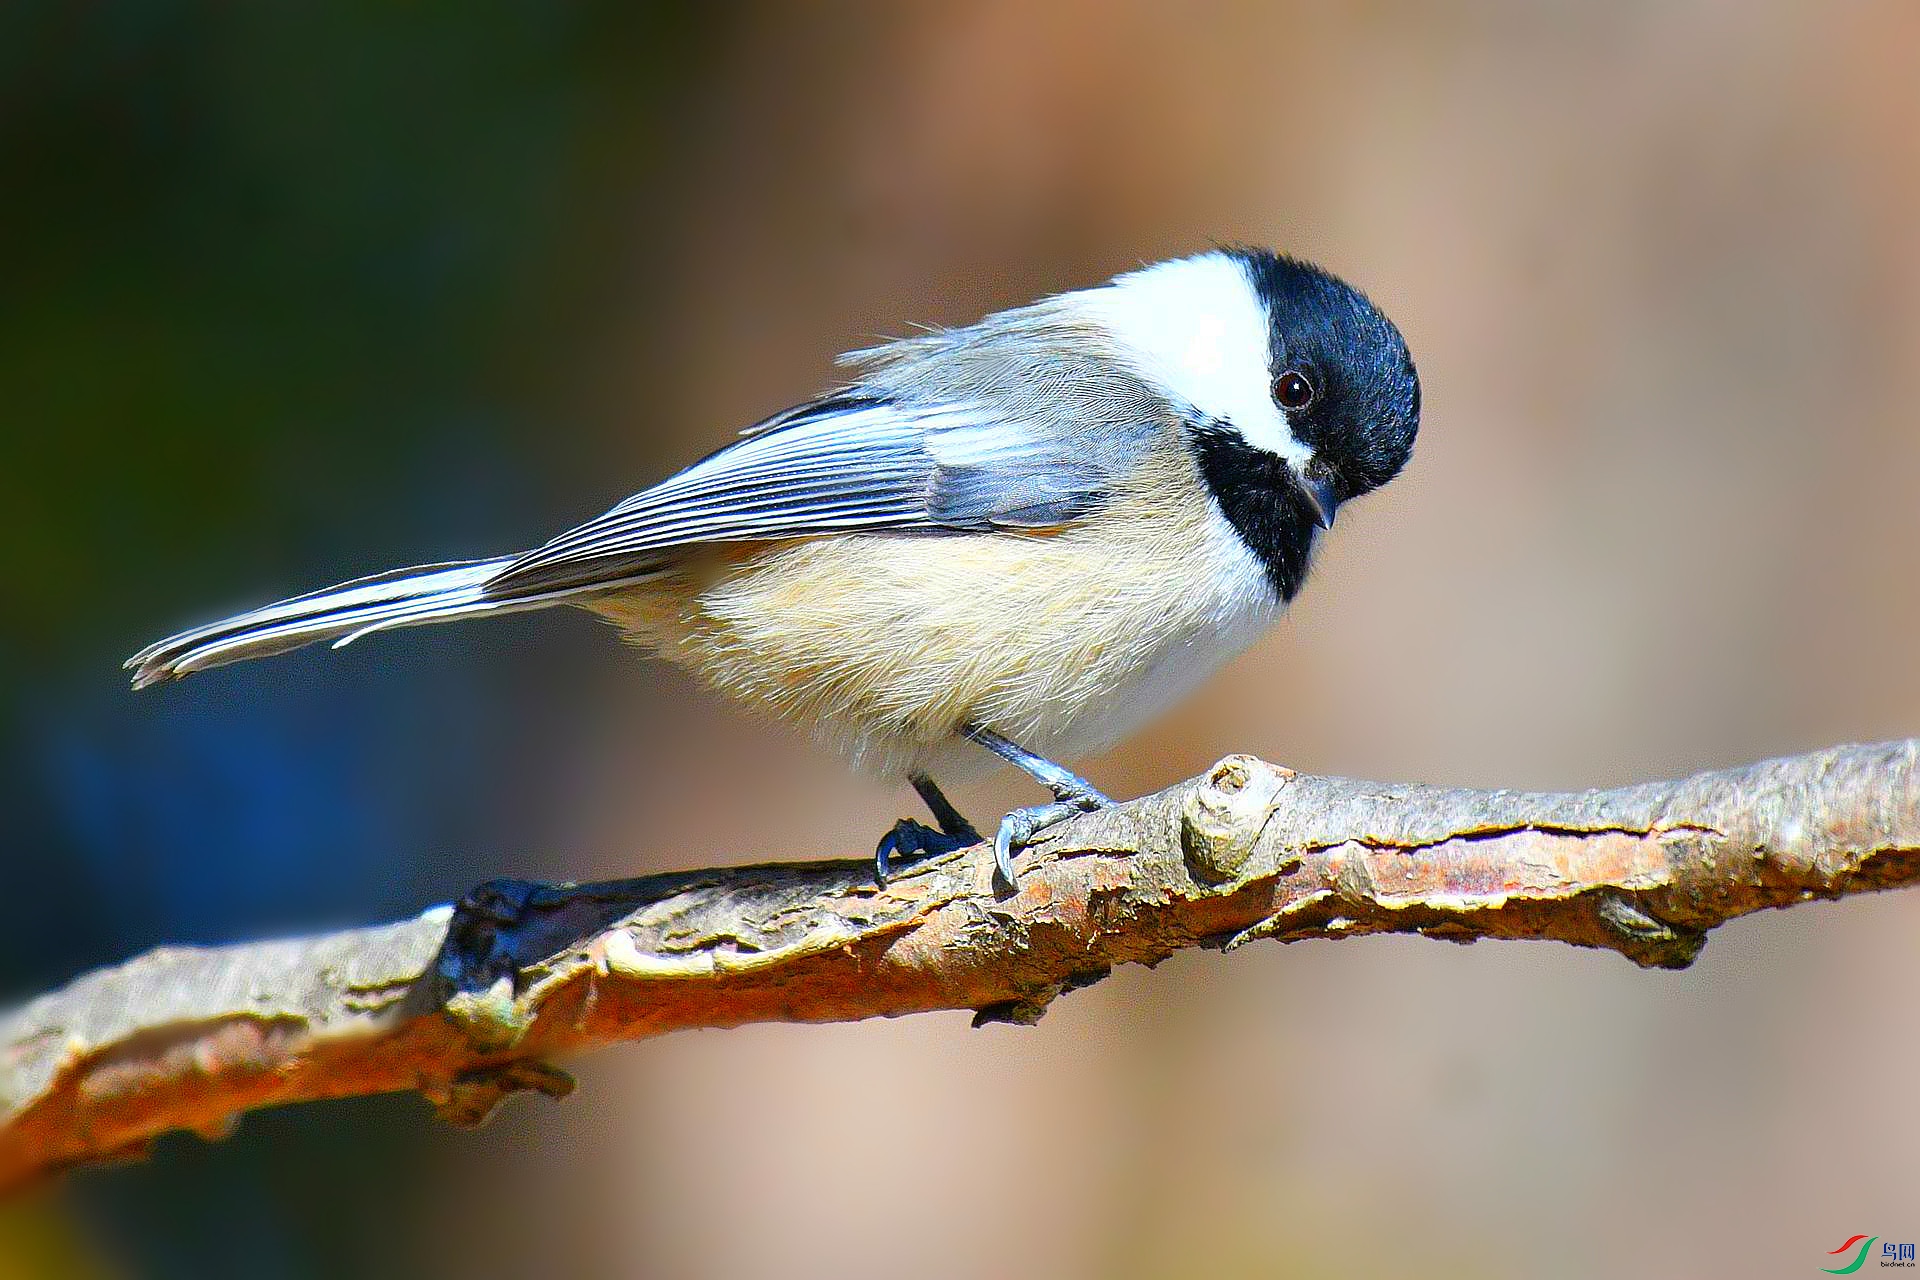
1341, 375
1298, 394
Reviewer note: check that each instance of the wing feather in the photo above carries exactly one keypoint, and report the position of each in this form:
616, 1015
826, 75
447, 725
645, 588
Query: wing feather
848, 462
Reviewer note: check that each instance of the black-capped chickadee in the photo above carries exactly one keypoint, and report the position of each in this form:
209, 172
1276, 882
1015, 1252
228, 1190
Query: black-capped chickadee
1027, 535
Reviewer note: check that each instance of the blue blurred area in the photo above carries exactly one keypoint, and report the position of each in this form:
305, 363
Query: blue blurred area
259, 804
291, 294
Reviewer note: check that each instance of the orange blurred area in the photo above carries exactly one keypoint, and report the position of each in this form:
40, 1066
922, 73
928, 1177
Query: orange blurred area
1659, 270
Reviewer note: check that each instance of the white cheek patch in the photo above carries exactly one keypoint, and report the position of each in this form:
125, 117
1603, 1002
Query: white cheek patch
1196, 327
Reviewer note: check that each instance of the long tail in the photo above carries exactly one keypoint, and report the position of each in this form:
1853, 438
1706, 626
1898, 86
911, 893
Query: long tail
398, 598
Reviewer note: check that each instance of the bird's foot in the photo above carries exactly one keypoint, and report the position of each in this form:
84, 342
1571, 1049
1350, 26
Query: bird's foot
910, 842
1018, 828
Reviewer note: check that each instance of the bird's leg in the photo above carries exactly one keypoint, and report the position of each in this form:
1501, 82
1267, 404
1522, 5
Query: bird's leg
912, 841
951, 821
1067, 787
1072, 794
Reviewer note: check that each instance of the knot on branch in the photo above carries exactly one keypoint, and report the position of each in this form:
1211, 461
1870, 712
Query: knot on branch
1221, 819
1649, 942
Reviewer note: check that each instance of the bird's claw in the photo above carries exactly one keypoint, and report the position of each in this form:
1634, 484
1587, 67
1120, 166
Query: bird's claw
1018, 828
910, 841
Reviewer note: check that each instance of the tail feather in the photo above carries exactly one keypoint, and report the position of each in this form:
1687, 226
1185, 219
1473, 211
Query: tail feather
397, 598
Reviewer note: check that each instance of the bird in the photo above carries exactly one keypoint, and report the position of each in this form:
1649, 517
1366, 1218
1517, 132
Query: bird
1019, 538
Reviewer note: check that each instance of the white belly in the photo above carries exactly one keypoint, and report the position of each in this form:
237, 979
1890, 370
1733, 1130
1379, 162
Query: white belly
1230, 607
885, 645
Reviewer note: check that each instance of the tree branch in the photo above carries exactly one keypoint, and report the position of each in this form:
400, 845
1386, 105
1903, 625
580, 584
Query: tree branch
469, 1004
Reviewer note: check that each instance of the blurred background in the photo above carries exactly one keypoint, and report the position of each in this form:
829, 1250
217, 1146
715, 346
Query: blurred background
293, 293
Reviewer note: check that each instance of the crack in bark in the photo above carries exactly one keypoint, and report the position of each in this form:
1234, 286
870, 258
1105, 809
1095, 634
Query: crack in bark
1648, 831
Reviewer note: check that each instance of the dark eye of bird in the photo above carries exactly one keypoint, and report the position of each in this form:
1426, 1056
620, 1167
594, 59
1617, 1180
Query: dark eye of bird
1291, 390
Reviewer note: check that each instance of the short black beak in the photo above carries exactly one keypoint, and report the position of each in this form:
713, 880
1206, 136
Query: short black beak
1322, 497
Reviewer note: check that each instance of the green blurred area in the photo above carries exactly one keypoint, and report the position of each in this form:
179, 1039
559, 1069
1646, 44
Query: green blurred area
286, 291
264, 265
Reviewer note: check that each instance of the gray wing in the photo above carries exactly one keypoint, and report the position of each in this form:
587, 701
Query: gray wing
848, 462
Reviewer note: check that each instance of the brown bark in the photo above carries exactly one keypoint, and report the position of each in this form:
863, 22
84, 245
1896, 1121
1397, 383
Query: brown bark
470, 1005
